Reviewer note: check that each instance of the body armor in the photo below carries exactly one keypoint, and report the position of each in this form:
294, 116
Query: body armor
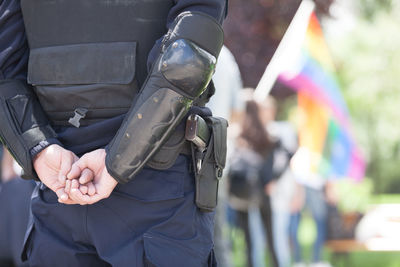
92, 54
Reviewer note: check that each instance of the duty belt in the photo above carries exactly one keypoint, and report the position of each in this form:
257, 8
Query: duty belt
196, 132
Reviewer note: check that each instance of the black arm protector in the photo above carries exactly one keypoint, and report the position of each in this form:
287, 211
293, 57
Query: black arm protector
23, 123
180, 74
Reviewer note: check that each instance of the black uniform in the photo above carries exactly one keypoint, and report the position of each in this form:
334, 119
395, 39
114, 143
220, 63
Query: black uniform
151, 219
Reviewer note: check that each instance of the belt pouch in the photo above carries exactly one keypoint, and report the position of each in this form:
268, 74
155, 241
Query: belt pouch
213, 163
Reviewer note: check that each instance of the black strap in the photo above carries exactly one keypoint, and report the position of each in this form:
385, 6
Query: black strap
33, 136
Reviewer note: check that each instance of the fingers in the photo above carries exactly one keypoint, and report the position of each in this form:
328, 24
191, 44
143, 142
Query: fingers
83, 189
79, 170
91, 189
67, 202
78, 166
74, 184
74, 173
68, 195
67, 186
66, 163
82, 199
86, 176
77, 195
63, 197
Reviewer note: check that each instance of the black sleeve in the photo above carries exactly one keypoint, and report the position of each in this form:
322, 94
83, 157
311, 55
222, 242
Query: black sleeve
25, 129
13, 45
213, 8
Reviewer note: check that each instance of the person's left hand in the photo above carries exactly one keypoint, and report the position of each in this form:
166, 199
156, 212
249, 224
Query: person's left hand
103, 182
52, 165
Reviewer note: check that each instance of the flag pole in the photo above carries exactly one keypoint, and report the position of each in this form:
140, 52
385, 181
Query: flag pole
291, 40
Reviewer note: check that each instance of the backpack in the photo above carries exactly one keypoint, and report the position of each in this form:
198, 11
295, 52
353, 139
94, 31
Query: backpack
244, 176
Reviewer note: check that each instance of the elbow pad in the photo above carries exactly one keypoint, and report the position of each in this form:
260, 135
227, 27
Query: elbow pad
180, 74
23, 123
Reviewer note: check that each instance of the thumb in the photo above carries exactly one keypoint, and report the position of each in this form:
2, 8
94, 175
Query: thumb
77, 167
66, 162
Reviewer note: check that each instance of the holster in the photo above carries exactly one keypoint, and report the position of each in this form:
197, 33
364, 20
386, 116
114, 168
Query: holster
213, 163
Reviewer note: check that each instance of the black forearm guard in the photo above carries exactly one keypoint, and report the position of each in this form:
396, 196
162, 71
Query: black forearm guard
181, 73
23, 123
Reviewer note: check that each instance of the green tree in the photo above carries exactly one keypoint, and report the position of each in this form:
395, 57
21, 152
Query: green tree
369, 71
369, 8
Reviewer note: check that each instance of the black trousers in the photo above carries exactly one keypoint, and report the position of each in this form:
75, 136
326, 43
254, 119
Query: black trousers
15, 197
150, 221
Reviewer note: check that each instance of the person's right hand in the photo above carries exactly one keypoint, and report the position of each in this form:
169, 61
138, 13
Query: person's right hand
52, 166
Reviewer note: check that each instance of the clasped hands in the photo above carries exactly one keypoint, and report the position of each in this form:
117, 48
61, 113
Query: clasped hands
75, 180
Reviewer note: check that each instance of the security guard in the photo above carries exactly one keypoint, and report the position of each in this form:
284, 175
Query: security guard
110, 81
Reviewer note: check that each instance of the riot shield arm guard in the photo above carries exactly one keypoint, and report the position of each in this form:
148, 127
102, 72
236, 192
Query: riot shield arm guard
180, 74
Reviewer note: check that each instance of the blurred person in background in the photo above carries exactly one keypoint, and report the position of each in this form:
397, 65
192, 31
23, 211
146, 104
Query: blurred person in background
15, 195
314, 200
281, 190
250, 171
294, 221
225, 103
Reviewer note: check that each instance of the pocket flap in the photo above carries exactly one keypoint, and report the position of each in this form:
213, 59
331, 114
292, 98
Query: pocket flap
112, 63
219, 128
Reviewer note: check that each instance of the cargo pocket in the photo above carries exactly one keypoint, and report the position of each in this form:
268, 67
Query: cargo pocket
163, 251
97, 77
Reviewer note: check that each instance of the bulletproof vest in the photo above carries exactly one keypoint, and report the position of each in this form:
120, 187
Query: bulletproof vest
90, 55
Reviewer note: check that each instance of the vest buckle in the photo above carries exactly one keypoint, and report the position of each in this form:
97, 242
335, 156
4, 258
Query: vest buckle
80, 113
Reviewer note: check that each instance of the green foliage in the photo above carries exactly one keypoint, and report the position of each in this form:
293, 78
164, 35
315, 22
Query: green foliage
369, 72
384, 199
238, 248
354, 196
369, 8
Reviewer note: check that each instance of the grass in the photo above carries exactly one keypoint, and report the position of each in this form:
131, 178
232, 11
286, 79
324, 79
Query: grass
385, 199
307, 234
369, 259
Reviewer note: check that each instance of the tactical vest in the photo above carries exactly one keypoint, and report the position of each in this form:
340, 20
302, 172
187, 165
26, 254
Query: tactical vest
90, 54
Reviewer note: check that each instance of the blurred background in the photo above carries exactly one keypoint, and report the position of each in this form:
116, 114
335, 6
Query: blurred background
324, 143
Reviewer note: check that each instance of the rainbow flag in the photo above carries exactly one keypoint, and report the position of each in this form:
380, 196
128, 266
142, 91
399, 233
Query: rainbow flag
325, 123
